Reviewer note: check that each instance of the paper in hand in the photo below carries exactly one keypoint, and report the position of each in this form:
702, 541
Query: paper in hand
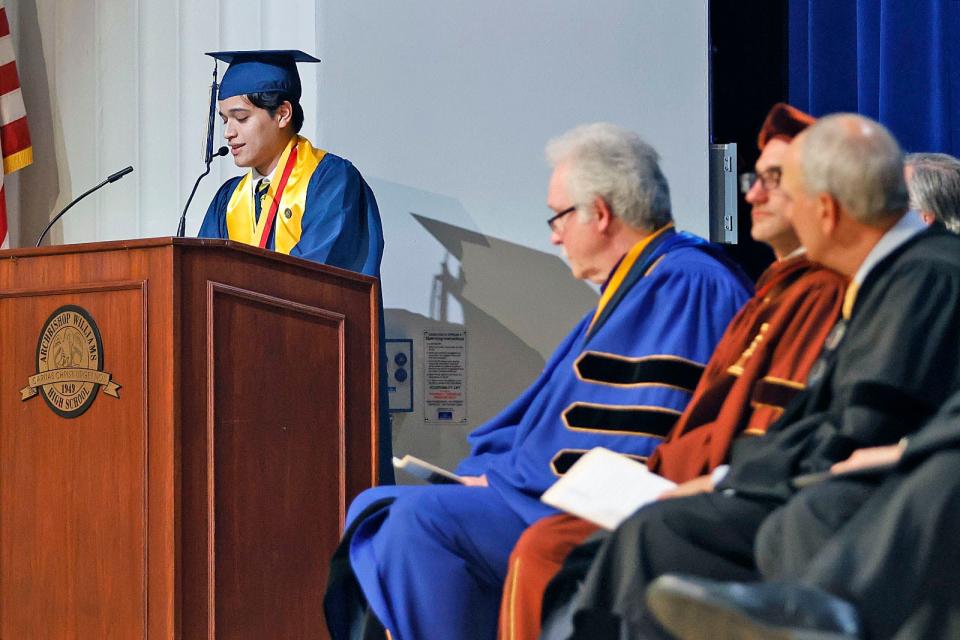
425, 471
605, 488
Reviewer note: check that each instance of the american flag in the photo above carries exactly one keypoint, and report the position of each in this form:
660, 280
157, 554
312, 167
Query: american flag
14, 134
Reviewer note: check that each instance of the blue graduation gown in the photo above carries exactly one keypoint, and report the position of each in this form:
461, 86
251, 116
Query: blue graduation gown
341, 221
431, 563
341, 227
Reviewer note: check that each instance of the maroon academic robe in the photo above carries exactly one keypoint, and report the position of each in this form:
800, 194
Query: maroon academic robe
759, 365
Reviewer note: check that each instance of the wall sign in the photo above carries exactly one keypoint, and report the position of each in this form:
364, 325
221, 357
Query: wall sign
445, 376
69, 364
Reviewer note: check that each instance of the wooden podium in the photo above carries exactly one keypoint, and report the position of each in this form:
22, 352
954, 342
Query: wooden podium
182, 424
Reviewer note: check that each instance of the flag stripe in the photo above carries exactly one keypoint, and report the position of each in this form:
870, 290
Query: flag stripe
15, 147
14, 136
6, 49
9, 80
11, 107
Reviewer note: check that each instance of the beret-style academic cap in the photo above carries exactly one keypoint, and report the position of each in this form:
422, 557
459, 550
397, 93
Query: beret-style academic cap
783, 122
261, 72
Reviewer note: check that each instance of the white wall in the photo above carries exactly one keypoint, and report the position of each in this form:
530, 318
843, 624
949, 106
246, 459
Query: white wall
444, 106
112, 83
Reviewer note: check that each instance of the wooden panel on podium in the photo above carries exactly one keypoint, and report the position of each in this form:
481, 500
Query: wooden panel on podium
182, 424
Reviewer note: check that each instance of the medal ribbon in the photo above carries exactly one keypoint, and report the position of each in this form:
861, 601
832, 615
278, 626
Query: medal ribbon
275, 205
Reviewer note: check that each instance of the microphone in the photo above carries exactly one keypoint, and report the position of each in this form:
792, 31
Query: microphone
182, 227
119, 174
112, 178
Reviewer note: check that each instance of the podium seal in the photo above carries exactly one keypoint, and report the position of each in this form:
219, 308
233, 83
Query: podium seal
69, 364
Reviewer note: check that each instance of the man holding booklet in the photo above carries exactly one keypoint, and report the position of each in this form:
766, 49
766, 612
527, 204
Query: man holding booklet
429, 561
759, 365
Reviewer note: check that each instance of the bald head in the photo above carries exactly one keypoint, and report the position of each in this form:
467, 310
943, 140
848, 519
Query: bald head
856, 161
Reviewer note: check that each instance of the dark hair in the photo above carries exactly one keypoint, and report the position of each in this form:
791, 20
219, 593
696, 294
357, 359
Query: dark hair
272, 100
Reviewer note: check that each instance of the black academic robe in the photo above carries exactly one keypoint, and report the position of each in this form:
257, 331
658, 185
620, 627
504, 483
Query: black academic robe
793, 536
888, 542
896, 559
897, 361
941, 432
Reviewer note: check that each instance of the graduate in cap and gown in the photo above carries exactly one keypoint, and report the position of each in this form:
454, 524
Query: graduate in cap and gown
295, 199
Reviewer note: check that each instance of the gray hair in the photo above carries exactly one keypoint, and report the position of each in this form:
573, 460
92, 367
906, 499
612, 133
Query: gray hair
616, 165
934, 186
858, 162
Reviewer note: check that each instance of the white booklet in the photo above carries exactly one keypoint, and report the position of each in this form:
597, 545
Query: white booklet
605, 488
425, 471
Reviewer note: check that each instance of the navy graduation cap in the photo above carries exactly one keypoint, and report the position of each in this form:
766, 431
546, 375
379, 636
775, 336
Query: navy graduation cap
261, 72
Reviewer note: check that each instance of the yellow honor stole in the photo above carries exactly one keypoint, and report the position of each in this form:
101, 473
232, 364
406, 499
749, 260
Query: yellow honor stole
622, 270
242, 224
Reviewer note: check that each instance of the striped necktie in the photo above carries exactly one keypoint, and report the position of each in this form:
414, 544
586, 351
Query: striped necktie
261, 190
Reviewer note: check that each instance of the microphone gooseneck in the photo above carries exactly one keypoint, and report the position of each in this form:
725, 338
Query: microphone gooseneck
112, 178
182, 227
208, 154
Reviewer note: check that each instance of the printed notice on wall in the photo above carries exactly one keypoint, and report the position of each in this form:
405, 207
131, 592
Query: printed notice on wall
445, 376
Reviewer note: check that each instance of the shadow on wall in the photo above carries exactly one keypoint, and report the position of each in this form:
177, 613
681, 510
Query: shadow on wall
531, 293
517, 304
40, 182
489, 387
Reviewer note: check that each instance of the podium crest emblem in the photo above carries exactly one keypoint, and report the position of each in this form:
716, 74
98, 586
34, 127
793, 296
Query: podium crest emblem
69, 364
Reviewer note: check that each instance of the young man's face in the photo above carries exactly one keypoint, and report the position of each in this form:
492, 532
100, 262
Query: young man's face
255, 138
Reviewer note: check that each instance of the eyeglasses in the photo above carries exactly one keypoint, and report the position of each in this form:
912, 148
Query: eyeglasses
769, 180
552, 221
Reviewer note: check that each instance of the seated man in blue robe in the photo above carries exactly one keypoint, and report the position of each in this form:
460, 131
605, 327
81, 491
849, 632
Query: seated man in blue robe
295, 199
429, 562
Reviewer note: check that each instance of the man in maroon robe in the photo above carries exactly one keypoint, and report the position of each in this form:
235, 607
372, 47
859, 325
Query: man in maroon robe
759, 365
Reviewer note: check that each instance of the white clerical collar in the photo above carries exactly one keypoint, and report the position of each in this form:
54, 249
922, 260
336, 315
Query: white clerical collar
908, 226
799, 251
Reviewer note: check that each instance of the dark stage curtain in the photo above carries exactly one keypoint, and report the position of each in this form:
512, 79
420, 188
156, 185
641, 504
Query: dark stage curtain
897, 61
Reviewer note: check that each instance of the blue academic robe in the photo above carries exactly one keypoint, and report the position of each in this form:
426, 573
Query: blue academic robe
431, 562
341, 227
